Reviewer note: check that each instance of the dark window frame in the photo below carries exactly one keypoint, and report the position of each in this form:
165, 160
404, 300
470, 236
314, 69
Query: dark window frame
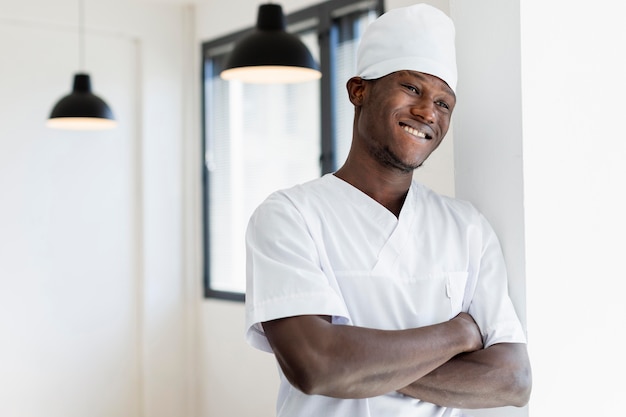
321, 18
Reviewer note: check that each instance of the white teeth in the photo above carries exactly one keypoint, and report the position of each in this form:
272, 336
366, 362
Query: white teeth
414, 132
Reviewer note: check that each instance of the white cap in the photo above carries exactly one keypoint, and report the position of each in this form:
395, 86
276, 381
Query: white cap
418, 38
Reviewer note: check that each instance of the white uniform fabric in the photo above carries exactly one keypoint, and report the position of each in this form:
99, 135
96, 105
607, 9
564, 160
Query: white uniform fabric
327, 248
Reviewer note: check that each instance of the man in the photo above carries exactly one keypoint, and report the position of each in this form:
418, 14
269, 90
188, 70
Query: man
378, 296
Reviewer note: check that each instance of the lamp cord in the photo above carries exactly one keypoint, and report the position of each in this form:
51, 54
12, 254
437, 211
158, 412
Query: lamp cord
81, 35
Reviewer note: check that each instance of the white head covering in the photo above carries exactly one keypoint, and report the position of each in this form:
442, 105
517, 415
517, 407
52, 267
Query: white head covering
418, 38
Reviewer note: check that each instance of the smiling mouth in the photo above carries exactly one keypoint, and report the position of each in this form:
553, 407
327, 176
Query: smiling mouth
415, 132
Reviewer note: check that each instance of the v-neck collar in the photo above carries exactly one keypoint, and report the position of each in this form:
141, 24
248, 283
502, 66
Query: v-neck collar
401, 234
398, 228
370, 203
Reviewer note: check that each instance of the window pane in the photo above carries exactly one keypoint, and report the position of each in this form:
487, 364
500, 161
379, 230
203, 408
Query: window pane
259, 138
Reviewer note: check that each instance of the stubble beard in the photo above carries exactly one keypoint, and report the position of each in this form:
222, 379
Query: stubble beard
387, 158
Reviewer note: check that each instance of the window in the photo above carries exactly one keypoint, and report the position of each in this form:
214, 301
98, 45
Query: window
261, 138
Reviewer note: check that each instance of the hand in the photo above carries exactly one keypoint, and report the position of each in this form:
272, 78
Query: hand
471, 329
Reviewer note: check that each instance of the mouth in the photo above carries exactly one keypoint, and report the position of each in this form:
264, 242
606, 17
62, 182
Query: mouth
415, 132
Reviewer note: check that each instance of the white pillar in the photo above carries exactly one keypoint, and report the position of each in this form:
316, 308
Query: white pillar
487, 125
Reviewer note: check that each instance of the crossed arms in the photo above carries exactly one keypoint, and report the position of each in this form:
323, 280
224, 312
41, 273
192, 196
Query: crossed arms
444, 364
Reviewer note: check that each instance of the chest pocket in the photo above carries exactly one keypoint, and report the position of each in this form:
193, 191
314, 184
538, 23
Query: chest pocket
386, 302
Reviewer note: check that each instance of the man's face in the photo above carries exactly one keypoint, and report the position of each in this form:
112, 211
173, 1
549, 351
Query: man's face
402, 117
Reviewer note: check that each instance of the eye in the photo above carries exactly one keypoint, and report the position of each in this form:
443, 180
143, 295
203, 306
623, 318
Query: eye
411, 88
443, 104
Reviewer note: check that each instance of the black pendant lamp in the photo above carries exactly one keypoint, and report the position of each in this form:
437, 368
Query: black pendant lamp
81, 110
270, 54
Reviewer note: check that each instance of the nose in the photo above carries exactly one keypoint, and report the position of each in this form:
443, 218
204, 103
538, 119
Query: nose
424, 109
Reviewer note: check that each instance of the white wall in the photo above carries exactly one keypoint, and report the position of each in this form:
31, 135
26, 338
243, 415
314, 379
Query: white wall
563, 84
92, 289
574, 147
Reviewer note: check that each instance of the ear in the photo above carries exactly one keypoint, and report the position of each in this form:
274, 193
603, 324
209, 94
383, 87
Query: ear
356, 89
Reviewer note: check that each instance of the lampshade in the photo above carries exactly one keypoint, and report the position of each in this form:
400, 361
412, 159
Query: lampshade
81, 110
270, 54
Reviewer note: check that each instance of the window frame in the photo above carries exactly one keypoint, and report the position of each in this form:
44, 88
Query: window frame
320, 18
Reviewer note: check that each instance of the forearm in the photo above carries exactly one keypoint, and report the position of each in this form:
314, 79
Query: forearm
354, 362
384, 361
494, 377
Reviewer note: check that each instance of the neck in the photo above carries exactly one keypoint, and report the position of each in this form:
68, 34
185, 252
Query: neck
387, 187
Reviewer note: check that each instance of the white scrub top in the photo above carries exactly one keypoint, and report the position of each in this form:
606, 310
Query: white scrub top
326, 248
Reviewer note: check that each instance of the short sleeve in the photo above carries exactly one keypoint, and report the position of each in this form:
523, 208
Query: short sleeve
491, 307
284, 276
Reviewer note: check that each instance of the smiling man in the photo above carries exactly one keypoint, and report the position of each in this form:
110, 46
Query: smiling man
377, 296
